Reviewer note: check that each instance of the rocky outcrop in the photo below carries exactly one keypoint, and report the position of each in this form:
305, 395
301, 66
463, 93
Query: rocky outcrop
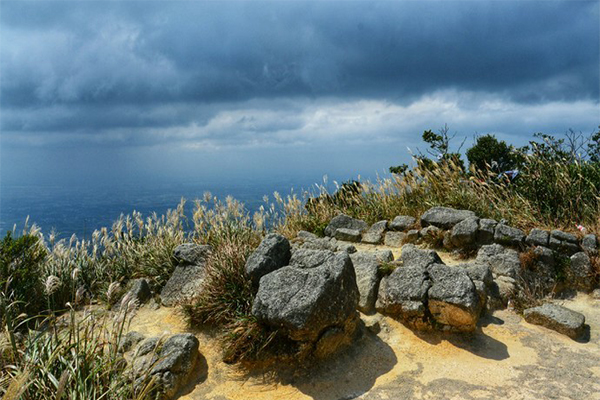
367, 269
188, 277
306, 298
375, 233
345, 222
453, 300
271, 254
558, 318
444, 217
168, 363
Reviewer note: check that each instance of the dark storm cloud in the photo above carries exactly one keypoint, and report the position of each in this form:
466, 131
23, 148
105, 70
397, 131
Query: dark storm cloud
111, 68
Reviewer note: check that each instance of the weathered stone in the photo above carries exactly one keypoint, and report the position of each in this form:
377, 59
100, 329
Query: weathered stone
185, 283
346, 248
507, 288
306, 235
589, 243
596, 294
271, 254
303, 302
344, 221
485, 234
558, 318
581, 269
430, 233
403, 295
325, 243
139, 291
394, 239
564, 236
366, 266
169, 365
412, 236
502, 261
538, 237
478, 272
347, 235
508, 235
412, 256
447, 241
453, 299
130, 340
464, 233
310, 258
444, 217
402, 223
191, 253
375, 233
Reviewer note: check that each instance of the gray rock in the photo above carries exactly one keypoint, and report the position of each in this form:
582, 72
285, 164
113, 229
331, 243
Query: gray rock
543, 273
507, 288
347, 235
412, 236
310, 258
304, 302
366, 266
344, 221
169, 365
191, 253
271, 254
447, 241
508, 235
185, 283
485, 234
464, 234
581, 269
538, 237
564, 236
130, 340
502, 261
394, 239
375, 233
403, 295
304, 235
430, 234
558, 318
346, 248
453, 298
139, 291
589, 243
402, 223
412, 256
444, 217
596, 294
478, 272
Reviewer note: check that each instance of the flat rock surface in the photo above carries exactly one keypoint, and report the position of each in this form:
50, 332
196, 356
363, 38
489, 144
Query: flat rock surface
558, 318
507, 358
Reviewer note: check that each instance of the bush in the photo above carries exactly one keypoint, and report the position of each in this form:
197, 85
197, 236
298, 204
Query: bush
488, 152
20, 274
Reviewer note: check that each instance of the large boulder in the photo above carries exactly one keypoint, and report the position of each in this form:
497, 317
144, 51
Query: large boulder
403, 295
558, 318
366, 266
304, 300
375, 233
346, 222
464, 234
485, 234
185, 283
402, 223
502, 261
412, 256
444, 217
168, 364
191, 253
272, 253
453, 298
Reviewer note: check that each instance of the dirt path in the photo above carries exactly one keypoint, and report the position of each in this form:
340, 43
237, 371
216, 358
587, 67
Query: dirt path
507, 358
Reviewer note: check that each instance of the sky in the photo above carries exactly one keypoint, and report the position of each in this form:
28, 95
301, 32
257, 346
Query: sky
141, 91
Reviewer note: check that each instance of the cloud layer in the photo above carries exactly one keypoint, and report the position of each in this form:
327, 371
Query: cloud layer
203, 76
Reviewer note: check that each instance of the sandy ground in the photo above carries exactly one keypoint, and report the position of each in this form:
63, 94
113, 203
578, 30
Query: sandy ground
506, 358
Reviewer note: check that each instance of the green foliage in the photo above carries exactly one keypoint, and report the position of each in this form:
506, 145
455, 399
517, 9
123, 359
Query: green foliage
399, 169
488, 152
20, 273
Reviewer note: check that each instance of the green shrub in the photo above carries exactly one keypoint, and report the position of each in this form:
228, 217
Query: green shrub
20, 274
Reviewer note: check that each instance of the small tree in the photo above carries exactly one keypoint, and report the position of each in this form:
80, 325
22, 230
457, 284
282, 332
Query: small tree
489, 152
